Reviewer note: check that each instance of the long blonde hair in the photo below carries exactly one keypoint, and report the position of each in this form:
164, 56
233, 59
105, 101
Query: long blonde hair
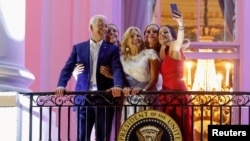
124, 43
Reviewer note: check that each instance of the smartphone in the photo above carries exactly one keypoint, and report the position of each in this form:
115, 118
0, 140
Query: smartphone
173, 7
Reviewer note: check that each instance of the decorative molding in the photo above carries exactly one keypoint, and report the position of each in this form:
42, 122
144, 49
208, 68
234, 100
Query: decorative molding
15, 78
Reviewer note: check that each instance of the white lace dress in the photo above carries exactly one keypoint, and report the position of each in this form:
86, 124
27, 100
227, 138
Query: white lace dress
137, 72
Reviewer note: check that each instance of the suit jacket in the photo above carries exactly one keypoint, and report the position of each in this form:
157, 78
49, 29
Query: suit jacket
108, 56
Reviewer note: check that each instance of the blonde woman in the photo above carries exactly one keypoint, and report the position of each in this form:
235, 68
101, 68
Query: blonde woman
140, 66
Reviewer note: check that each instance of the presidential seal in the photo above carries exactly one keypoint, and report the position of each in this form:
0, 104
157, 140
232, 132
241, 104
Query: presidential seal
150, 125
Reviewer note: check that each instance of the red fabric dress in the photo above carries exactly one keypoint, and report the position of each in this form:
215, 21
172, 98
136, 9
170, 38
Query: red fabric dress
172, 75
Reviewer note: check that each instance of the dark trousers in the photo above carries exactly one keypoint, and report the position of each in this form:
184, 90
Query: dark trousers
100, 116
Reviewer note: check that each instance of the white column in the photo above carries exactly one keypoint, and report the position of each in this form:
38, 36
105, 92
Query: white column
13, 75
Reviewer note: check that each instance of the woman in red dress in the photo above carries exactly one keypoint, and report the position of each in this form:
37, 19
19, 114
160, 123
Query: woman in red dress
172, 67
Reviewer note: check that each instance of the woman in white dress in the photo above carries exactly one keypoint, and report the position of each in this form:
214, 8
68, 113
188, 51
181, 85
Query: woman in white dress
141, 68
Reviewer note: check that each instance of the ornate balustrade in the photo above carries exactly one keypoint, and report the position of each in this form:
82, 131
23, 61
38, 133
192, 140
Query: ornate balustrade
52, 117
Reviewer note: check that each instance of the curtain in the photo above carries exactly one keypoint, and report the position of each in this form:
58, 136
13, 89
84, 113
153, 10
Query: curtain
137, 13
228, 10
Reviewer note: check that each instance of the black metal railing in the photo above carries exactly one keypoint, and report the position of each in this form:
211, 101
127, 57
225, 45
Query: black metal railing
55, 118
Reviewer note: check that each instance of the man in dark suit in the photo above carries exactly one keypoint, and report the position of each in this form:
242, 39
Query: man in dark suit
93, 54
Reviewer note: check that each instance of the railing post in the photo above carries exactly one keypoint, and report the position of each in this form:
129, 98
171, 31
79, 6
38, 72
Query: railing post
30, 116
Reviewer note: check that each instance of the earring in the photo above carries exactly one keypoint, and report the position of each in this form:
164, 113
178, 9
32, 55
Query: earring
127, 49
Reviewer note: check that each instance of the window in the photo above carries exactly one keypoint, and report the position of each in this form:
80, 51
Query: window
212, 58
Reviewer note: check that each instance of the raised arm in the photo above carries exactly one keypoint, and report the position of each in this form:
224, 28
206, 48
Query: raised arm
180, 34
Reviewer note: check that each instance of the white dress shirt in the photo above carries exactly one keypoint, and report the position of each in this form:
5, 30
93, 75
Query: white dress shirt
94, 51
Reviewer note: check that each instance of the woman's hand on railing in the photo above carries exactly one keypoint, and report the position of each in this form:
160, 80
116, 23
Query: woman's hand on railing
116, 91
131, 90
126, 91
136, 90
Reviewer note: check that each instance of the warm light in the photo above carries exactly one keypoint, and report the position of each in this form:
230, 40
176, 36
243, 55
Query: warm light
219, 79
205, 75
228, 67
189, 66
231, 90
219, 76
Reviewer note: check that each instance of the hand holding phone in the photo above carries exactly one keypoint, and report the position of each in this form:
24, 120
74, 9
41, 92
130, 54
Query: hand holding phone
175, 11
